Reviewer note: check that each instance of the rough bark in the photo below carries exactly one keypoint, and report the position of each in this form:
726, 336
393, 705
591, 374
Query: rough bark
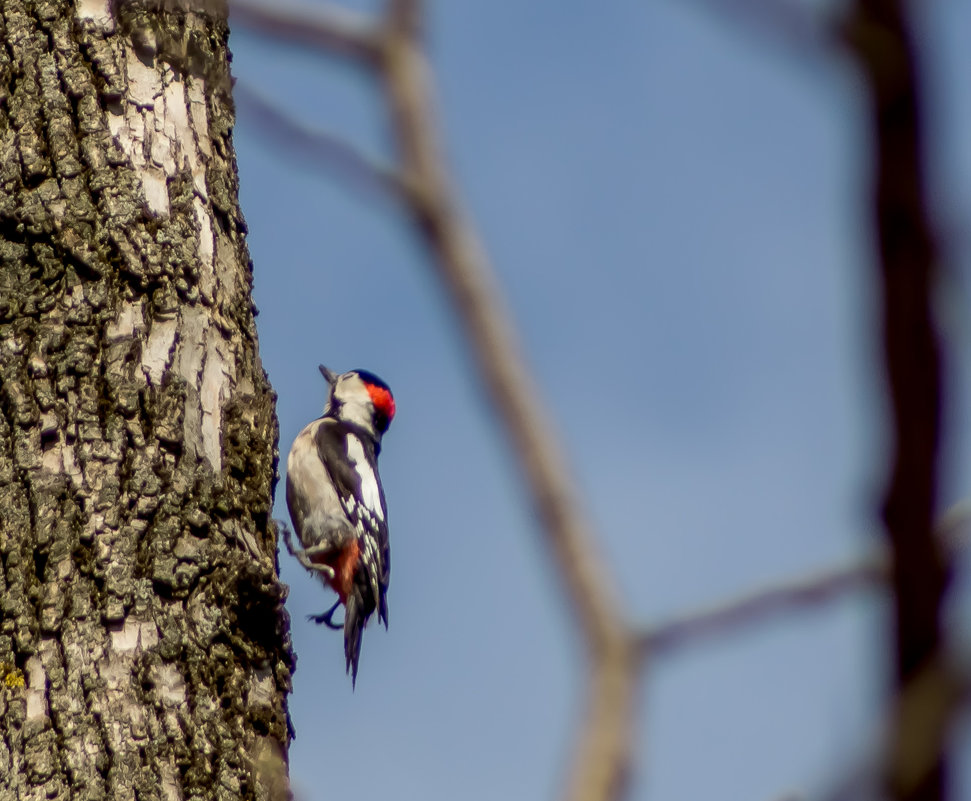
143, 644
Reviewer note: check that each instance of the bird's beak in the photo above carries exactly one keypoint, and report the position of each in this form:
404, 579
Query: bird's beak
328, 375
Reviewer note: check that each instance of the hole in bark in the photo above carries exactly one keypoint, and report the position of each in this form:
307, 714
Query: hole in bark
145, 55
48, 439
40, 564
163, 590
257, 616
34, 179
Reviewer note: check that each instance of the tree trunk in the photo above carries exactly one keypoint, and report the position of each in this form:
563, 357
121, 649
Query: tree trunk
143, 644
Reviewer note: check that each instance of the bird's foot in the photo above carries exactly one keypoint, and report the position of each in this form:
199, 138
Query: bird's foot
305, 557
327, 618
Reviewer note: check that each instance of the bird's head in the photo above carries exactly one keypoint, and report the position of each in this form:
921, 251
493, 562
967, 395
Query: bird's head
361, 398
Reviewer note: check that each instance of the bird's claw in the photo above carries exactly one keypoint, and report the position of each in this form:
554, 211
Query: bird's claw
304, 556
327, 618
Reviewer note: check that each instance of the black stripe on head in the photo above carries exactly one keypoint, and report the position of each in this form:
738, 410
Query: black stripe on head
370, 378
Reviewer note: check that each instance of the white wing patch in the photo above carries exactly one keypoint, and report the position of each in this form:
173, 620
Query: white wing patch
370, 492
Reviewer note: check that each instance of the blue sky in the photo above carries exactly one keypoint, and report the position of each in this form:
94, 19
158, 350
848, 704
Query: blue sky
676, 212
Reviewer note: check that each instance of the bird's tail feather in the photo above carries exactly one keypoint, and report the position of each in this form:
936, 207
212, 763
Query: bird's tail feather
354, 622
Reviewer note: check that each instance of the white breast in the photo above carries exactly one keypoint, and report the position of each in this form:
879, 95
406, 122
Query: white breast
320, 518
304, 465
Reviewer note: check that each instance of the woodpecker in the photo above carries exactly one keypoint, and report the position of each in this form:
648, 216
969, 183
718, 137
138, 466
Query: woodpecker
337, 506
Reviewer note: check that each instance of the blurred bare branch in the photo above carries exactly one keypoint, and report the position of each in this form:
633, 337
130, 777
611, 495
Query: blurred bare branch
805, 591
881, 36
327, 28
811, 590
390, 49
920, 729
799, 27
939, 694
316, 146
600, 766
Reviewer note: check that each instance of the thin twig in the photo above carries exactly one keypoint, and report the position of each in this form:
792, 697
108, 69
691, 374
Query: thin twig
811, 590
750, 608
318, 147
799, 27
326, 28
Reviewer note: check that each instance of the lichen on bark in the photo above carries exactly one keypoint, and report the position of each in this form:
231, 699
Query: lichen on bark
139, 598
